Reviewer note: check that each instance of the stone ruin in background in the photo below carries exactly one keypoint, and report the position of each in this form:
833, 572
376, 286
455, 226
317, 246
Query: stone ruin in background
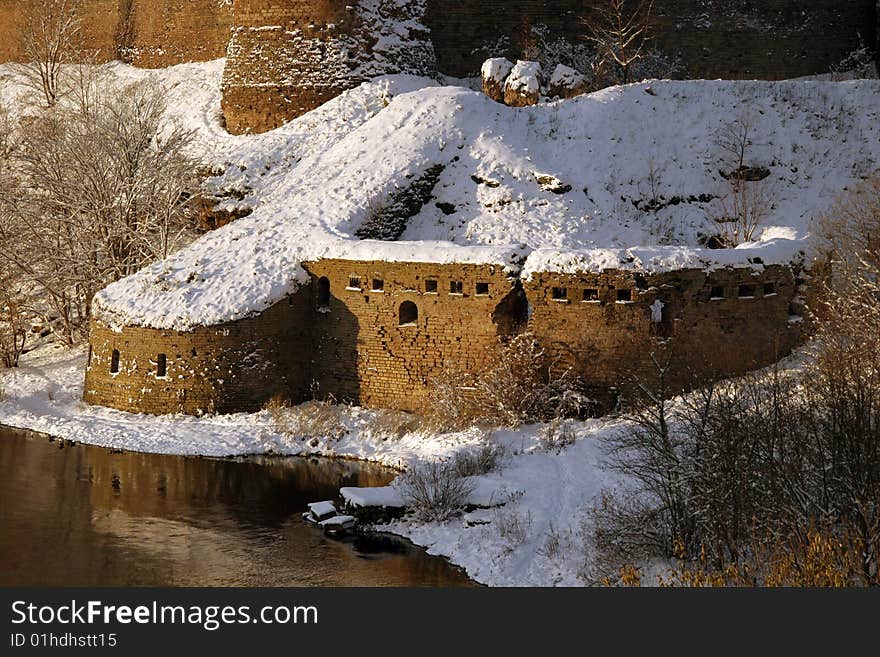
524, 83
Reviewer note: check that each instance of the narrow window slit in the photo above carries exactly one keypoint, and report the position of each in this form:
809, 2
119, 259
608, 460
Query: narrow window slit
323, 292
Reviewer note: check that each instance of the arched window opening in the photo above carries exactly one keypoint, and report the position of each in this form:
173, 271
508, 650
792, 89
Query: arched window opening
114, 362
323, 292
409, 313
161, 365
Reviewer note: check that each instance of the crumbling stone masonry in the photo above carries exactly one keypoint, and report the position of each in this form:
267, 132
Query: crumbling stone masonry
378, 333
286, 57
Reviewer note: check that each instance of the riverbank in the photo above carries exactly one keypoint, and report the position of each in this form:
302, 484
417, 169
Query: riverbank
535, 531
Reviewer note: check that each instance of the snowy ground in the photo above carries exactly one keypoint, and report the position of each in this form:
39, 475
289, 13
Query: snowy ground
540, 498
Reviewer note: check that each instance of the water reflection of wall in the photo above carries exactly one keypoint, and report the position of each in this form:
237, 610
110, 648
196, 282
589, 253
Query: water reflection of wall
80, 515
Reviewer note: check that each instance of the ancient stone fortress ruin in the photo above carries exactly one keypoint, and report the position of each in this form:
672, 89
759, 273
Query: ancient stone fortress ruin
378, 332
286, 57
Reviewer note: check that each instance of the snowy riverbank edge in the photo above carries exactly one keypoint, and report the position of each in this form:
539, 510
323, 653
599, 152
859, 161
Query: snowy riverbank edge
546, 497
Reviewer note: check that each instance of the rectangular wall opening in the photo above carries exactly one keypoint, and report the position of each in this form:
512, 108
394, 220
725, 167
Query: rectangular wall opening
482, 289
746, 291
559, 294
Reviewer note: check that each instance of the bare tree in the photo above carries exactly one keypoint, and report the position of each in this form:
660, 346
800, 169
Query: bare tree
13, 317
51, 41
734, 140
747, 201
107, 189
620, 30
13, 333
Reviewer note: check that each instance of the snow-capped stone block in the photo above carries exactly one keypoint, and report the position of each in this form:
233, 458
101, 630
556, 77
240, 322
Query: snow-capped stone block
494, 73
566, 82
523, 85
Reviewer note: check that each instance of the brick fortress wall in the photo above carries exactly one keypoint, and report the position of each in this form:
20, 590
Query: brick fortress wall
353, 333
602, 326
148, 33
227, 368
276, 74
363, 352
286, 57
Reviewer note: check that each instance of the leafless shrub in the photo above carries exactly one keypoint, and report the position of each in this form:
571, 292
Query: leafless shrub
747, 201
434, 492
309, 421
734, 139
488, 457
555, 543
620, 30
742, 210
858, 64
512, 525
13, 319
519, 385
452, 402
624, 530
557, 435
387, 424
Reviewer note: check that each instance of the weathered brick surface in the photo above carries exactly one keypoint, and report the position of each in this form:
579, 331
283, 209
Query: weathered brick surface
150, 33
288, 56
275, 74
232, 367
352, 345
363, 353
608, 342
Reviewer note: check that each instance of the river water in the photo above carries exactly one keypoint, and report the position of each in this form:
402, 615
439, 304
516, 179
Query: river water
73, 514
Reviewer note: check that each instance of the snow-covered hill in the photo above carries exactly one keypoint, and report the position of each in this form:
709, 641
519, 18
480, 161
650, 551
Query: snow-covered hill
626, 167
627, 175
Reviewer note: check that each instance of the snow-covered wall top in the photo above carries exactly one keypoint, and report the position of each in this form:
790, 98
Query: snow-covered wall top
627, 177
654, 259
